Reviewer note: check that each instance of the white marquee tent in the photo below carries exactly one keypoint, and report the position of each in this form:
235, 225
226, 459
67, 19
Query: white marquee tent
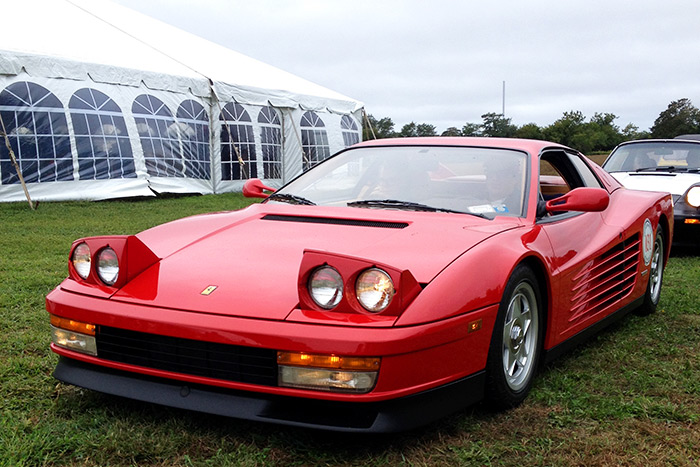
117, 104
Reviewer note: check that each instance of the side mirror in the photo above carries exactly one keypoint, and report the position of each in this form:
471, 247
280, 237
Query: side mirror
580, 199
254, 188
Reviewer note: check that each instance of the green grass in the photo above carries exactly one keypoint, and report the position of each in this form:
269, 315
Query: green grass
630, 396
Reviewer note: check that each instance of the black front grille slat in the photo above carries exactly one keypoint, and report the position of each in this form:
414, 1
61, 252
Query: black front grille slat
187, 356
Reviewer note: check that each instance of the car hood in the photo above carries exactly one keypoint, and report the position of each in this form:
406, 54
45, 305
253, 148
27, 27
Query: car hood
249, 260
676, 183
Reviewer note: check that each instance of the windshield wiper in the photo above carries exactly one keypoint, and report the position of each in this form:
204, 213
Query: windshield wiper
406, 205
291, 199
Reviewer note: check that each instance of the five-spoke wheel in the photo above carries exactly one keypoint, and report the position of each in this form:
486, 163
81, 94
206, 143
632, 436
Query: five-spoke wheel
516, 341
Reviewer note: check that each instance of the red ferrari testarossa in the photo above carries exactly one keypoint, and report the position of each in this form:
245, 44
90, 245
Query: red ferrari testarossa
391, 284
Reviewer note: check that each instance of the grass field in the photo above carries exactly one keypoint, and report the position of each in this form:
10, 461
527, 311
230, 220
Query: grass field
630, 396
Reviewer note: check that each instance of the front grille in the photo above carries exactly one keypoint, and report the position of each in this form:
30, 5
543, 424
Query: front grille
190, 357
606, 279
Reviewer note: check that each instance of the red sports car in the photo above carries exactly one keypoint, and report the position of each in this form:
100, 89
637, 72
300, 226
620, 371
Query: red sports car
395, 282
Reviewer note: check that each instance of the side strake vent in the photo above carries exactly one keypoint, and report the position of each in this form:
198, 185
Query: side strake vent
606, 279
333, 221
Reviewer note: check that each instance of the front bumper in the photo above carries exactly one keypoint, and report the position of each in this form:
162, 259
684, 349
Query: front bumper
388, 416
686, 234
686, 223
427, 370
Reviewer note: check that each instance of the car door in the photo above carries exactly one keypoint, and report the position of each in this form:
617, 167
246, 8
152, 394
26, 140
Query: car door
592, 268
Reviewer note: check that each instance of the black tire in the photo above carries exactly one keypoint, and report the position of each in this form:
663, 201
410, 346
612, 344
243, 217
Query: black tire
516, 342
656, 275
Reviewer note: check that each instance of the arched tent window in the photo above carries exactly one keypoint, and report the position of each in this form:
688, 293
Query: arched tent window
237, 144
192, 128
271, 142
314, 140
104, 148
351, 134
36, 125
161, 148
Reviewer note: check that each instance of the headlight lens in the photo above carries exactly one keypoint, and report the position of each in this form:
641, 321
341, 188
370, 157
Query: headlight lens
326, 287
81, 260
374, 289
693, 196
108, 266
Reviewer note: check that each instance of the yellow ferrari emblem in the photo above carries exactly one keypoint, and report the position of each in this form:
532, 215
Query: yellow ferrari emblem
209, 290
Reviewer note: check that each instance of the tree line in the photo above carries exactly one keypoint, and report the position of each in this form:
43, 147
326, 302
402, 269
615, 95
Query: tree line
597, 134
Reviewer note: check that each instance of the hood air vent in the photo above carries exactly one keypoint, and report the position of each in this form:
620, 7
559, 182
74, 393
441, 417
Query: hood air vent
333, 221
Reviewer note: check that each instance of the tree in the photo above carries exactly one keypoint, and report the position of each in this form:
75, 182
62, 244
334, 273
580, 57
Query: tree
497, 125
421, 129
409, 130
631, 132
602, 132
530, 131
563, 130
471, 129
426, 129
452, 131
681, 117
383, 128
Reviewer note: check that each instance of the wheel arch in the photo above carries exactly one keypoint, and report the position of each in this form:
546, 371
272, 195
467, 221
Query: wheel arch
537, 266
666, 226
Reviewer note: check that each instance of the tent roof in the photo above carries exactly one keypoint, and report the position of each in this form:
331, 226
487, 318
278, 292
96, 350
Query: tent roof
106, 42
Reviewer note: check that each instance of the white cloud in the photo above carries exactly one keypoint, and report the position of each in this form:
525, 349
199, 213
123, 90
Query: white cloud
443, 62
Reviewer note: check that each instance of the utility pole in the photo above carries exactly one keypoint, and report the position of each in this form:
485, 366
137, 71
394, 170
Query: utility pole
503, 109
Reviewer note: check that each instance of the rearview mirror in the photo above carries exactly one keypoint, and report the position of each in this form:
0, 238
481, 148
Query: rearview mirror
254, 188
580, 199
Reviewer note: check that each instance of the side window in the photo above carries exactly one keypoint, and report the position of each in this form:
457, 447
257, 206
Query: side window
587, 175
568, 168
552, 183
560, 173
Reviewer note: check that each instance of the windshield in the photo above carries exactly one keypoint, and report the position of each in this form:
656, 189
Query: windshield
479, 181
653, 156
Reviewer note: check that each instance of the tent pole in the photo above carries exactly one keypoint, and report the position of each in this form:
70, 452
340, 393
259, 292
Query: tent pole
14, 162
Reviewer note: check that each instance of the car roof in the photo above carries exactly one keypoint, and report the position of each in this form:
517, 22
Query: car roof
676, 140
531, 146
689, 137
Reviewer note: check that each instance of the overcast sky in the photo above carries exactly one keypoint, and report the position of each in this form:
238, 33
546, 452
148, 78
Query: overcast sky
444, 62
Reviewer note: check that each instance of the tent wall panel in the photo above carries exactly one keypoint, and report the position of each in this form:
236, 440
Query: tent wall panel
112, 140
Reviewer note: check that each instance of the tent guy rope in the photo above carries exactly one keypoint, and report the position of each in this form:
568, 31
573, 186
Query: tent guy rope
14, 162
